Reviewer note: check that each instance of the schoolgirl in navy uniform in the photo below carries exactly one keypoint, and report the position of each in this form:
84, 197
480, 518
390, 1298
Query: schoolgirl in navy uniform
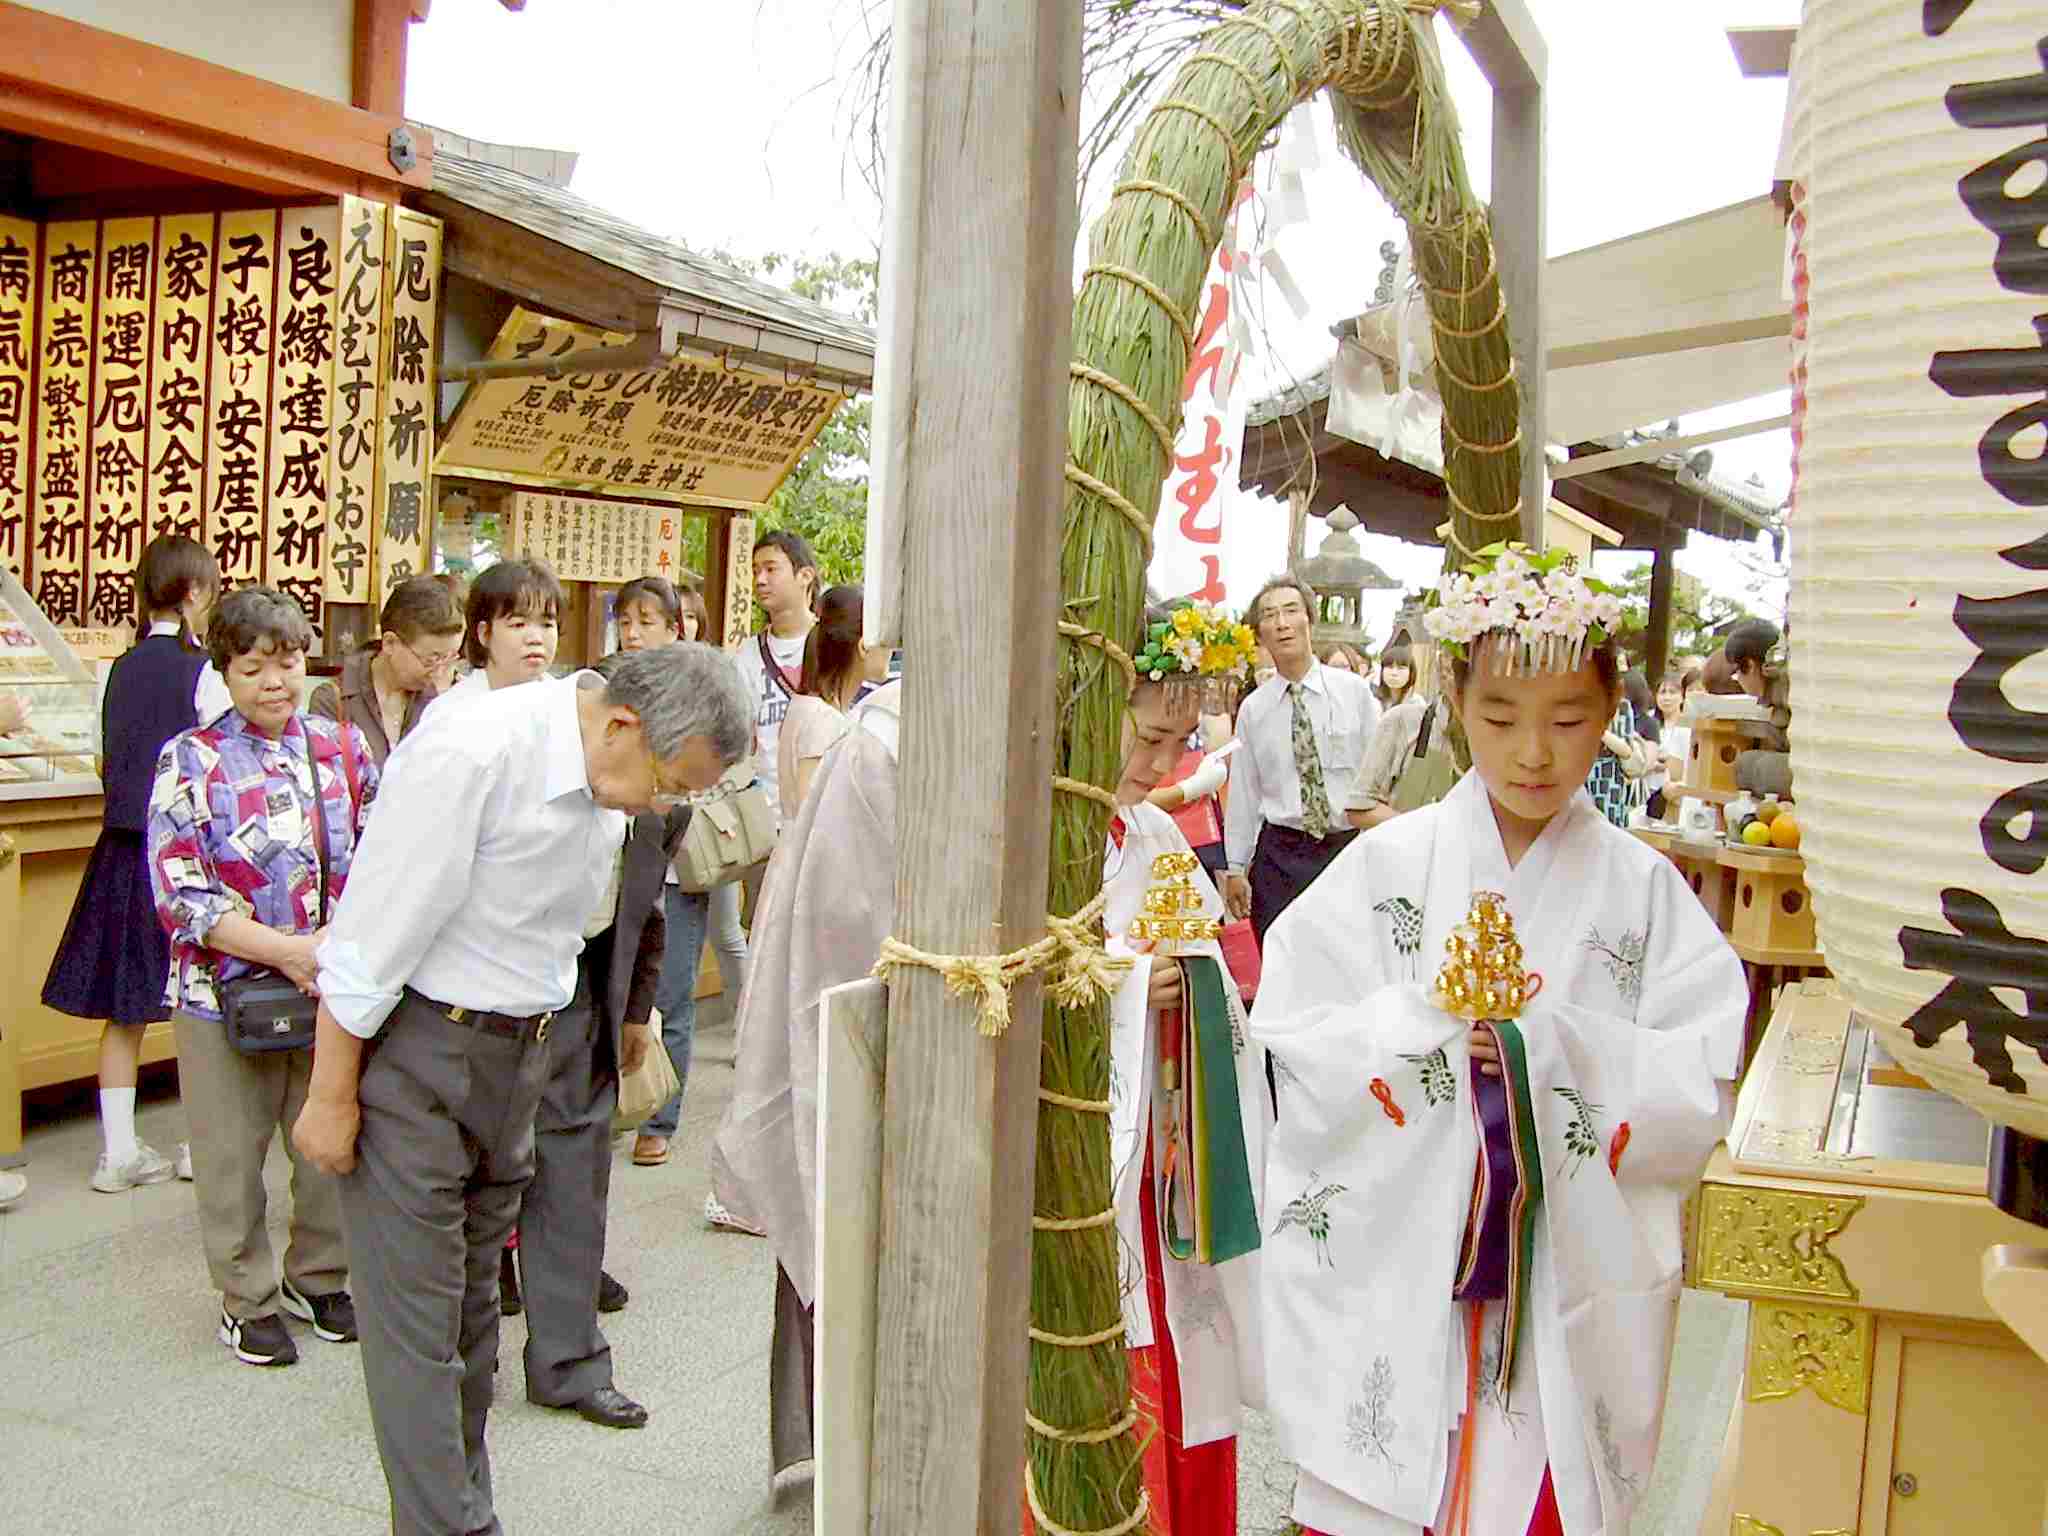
115, 954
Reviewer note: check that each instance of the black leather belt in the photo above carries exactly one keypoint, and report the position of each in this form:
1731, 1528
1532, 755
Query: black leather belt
510, 1025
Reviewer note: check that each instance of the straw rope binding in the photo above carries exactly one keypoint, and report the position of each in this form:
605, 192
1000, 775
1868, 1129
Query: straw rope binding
1148, 261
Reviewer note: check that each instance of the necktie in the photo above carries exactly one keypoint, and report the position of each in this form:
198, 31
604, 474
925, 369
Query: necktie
1308, 762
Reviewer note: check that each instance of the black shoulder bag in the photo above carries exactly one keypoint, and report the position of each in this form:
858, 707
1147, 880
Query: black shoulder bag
264, 1011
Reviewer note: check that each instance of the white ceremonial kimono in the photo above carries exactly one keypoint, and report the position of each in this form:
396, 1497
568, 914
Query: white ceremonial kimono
1211, 1309
1369, 1170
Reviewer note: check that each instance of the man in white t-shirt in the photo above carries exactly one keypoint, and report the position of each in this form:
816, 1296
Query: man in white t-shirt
772, 662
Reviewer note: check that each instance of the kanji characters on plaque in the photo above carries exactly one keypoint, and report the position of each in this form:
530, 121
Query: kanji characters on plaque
693, 428
402, 510
358, 398
174, 496
119, 460
586, 539
20, 280
302, 404
64, 334
238, 420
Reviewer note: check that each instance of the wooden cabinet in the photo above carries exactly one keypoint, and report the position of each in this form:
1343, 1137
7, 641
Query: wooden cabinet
1881, 1395
52, 840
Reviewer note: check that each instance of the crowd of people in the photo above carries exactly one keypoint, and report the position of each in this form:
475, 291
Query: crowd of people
478, 887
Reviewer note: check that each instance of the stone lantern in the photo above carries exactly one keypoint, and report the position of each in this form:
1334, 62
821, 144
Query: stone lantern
1340, 577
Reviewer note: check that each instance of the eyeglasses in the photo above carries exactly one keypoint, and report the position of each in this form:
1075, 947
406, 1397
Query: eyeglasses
664, 798
436, 663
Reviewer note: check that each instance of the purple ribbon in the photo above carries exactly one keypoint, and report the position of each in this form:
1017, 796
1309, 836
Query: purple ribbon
1489, 1229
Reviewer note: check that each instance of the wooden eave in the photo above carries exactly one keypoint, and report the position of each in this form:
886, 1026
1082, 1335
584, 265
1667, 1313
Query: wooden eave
64, 81
1644, 503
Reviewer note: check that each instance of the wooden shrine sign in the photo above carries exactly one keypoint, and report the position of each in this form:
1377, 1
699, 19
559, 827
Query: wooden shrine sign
188, 373
688, 431
587, 539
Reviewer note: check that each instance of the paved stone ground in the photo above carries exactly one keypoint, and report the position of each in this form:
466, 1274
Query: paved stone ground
120, 1412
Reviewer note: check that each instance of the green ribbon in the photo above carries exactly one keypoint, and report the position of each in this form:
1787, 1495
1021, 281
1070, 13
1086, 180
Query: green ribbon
1218, 1184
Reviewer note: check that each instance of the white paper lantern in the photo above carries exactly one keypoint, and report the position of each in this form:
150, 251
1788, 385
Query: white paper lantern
1920, 652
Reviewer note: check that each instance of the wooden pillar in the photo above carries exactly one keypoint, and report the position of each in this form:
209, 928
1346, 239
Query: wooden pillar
1297, 527
717, 563
976, 320
1657, 636
1510, 50
379, 55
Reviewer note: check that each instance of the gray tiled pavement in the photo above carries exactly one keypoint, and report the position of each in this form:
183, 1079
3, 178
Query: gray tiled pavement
120, 1413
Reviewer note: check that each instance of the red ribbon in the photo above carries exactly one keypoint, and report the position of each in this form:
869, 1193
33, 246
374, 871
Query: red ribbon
1385, 1095
1616, 1146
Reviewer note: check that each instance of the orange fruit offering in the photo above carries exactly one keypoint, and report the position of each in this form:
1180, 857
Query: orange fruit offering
1785, 831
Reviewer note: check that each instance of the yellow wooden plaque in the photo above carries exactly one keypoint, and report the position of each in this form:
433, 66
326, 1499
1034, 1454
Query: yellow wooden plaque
739, 584
20, 281
119, 460
689, 431
174, 499
358, 398
238, 416
403, 513
64, 337
302, 403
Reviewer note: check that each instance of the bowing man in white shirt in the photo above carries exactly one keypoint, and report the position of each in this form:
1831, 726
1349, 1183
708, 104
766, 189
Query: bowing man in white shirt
1305, 731
494, 840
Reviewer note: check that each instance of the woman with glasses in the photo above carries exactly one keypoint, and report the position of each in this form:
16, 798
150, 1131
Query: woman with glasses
387, 685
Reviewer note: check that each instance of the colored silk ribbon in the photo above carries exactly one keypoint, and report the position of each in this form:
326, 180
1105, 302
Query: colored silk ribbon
1207, 1214
1507, 1192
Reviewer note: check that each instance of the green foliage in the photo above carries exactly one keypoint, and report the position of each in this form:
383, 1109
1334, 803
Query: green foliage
825, 497
1695, 614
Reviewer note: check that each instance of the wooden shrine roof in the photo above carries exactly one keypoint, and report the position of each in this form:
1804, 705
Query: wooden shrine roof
1652, 505
477, 200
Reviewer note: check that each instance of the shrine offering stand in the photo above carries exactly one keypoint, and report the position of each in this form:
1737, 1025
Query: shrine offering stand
1882, 1394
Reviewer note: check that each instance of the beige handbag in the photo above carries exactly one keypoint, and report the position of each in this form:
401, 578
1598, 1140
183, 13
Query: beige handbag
641, 1093
727, 836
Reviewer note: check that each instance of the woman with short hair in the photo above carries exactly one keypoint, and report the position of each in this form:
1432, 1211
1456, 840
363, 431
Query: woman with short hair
387, 684
243, 887
512, 625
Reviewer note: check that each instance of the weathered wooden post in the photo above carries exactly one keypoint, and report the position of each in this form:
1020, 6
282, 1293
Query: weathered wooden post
973, 393
1511, 53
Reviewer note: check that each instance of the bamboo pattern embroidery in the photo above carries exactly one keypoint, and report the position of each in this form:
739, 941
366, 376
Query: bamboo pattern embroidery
1370, 1423
1581, 1136
1404, 924
1310, 1210
1282, 1073
1624, 960
1439, 1082
1493, 1391
1610, 1453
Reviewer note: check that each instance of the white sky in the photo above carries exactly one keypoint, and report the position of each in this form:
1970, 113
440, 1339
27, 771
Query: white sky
723, 123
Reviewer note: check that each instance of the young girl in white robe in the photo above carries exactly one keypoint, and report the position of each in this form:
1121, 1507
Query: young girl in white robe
1390, 1395
1191, 1326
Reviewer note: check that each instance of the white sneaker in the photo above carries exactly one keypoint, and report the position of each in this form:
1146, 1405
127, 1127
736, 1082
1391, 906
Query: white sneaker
185, 1161
718, 1216
12, 1187
146, 1166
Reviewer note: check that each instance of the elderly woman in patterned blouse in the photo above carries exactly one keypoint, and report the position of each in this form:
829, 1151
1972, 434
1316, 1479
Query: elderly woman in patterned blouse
235, 872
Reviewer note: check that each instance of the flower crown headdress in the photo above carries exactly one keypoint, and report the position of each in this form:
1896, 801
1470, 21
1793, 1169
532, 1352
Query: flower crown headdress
1198, 646
1550, 611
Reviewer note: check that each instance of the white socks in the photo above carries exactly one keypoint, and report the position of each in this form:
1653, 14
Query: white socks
117, 1122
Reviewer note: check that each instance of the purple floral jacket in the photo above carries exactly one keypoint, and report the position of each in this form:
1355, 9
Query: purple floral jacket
231, 830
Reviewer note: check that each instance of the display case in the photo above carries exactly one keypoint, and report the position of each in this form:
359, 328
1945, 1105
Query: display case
1881, 1395
57, 752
